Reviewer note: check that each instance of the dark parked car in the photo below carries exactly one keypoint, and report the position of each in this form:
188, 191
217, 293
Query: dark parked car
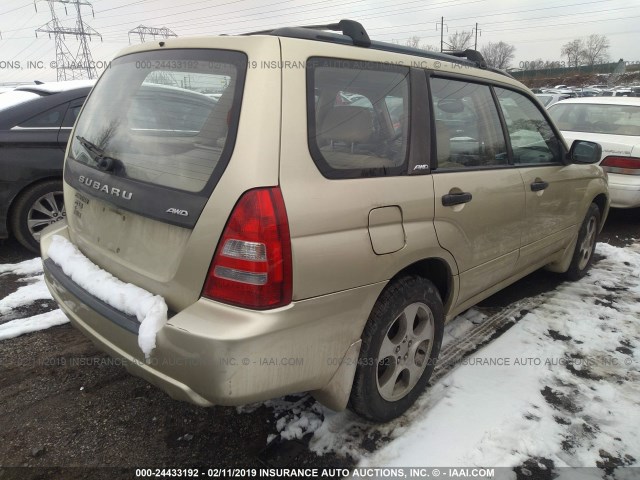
35, 123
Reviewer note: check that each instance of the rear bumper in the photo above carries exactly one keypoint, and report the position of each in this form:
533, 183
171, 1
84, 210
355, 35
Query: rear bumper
211, 353
624, 190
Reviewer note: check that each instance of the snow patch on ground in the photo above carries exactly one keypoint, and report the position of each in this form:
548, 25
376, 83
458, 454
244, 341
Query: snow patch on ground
21, 326
149, 309
28, 267
563, 384
37, 290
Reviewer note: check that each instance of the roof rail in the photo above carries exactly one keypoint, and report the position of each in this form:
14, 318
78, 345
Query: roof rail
350, 28
353, 33
470, 54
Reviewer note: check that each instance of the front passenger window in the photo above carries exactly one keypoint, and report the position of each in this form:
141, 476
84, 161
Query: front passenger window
532, 138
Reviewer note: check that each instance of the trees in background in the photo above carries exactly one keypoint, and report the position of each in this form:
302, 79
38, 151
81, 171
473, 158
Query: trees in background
589, 51
574, 51
596, 49
460, 40
498, 54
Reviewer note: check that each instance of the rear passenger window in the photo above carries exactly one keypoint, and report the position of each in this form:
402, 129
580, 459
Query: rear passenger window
532, 138
358, 117
52, 118
468, 131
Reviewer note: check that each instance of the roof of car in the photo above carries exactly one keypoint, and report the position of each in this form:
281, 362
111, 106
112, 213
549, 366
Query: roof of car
604, 100
352, 32
57, 87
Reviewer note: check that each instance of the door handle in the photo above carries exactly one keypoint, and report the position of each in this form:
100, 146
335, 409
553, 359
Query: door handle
539, 185
451, 199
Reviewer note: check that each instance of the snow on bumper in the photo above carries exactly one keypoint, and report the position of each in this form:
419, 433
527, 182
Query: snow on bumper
215, 354
149, 309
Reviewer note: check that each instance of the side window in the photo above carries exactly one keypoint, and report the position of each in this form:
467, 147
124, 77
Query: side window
72, 114
52, 118
357, 117
532, 139
468, 131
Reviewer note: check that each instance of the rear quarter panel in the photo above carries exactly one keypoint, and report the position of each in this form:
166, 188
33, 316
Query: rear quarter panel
332, 249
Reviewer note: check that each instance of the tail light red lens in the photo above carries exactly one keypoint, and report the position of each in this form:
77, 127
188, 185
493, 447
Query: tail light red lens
252, 264
623, 165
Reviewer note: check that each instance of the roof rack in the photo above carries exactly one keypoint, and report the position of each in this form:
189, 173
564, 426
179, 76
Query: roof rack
350, 28
472, 55
353, 33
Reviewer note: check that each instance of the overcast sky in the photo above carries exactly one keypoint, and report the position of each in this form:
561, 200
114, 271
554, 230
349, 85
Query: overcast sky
537, 28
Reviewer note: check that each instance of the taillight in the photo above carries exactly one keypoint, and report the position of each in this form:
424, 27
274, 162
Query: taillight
623, 165
252, 264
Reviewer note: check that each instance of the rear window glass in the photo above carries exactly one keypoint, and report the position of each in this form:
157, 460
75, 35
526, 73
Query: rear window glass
597, 118
358, 117
167, 118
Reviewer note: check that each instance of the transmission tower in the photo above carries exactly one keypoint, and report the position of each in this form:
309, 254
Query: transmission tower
154, 32
69, 66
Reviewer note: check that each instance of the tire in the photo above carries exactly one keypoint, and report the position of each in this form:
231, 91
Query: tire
585, 244
37, 207
400, 346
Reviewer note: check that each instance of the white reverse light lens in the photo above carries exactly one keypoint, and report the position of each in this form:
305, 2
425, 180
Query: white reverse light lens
251, 251
241, 276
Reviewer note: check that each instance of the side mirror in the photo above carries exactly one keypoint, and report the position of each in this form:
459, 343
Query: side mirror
582, 151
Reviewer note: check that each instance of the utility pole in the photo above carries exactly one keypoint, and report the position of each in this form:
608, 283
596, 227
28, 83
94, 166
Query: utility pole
69, 66
475, 46
442, 25
143, 31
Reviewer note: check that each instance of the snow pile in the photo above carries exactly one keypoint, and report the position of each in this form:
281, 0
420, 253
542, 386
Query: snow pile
149, 309
18, 327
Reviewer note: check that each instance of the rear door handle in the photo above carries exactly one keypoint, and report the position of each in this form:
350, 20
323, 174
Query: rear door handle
539, 185
451, 199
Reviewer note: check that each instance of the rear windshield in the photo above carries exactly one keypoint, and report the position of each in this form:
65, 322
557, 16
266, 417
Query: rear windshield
166, 118
597, 118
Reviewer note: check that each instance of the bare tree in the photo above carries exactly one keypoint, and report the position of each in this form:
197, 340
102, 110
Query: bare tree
460, 40
596, 49
414, 42
498, 55
429, 47
574, 51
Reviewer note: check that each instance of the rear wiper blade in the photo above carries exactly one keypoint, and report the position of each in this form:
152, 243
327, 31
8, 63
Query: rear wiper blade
103, 161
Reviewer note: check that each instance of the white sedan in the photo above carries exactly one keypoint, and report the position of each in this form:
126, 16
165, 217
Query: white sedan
614, 123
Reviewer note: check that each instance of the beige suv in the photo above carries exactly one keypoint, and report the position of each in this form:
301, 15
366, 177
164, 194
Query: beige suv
302, 210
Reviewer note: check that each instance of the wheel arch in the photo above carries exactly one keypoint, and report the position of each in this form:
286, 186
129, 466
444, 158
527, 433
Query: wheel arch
438, 272
602, 203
